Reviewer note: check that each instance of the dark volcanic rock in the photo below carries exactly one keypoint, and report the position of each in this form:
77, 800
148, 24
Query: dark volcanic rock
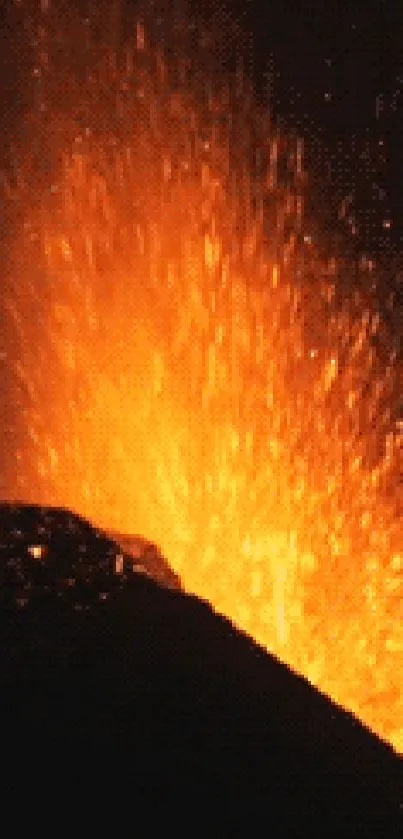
148, 690
52, 550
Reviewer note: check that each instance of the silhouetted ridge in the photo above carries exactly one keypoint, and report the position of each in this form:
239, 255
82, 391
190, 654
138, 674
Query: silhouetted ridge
149, 685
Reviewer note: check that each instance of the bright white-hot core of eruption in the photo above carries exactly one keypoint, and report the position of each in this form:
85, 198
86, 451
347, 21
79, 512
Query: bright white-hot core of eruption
185, 367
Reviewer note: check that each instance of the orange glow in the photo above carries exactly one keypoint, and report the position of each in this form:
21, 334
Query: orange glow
37, 551
188, 370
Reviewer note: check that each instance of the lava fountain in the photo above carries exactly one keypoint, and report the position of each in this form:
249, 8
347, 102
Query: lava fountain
181, 361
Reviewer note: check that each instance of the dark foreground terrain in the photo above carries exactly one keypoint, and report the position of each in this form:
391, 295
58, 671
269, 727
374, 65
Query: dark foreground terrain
117, 690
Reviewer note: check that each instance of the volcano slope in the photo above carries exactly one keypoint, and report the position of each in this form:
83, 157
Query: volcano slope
106, 673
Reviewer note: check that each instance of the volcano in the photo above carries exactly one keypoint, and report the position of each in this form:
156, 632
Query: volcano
106, 669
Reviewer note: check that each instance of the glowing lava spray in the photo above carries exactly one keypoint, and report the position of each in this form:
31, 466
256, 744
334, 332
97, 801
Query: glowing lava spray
181, 360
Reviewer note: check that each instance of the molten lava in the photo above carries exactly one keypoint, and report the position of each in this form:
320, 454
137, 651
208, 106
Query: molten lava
183, 364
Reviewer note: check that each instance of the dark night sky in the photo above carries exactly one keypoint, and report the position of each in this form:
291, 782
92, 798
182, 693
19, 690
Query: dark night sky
337, 77
333, 71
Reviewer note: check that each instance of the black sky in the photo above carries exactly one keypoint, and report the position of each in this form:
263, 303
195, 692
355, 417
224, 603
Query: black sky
338, 76
333, 71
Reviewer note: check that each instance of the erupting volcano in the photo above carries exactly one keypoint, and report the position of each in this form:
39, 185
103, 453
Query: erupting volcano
182, 360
